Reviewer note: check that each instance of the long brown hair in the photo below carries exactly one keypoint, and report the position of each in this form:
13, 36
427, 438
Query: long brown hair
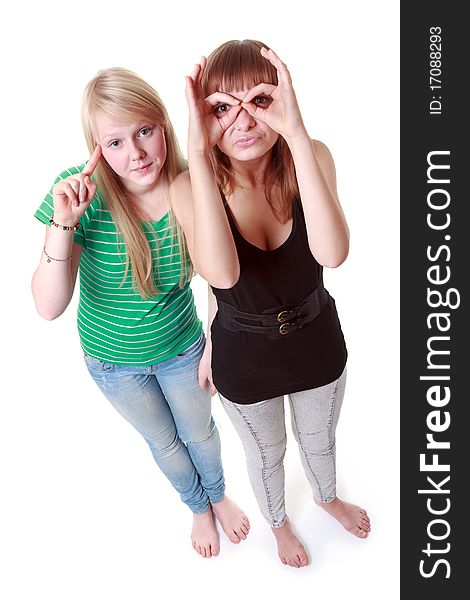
123, 95
238, 65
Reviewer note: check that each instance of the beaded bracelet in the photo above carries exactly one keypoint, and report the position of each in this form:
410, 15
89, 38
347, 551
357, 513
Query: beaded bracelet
64, 227
49, 258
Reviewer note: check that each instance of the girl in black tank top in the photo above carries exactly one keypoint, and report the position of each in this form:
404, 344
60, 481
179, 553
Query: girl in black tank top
266, 219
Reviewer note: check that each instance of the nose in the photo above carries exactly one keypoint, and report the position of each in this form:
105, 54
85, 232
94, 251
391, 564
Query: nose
136, 152
244, 120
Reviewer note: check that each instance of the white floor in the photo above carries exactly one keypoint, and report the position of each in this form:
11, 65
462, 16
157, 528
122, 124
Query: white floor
87, 515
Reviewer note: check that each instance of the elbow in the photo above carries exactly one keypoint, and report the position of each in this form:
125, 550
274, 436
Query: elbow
223, 277
335, 258
47, 313
225, 281
46, 310
336, 261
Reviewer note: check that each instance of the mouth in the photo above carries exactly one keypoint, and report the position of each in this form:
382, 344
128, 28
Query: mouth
143, 169
247, 140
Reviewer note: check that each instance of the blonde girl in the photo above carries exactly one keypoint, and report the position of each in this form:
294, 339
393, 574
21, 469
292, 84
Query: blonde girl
111, 220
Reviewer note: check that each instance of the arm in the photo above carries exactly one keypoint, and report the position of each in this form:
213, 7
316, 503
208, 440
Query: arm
206, 227
53, 282
327, 230
207, 232
205, 370
54, 279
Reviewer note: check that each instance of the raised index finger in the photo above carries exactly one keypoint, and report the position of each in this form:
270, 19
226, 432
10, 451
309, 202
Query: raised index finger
92, 161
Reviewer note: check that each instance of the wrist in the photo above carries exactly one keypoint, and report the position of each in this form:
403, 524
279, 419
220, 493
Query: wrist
298, 138
64, 224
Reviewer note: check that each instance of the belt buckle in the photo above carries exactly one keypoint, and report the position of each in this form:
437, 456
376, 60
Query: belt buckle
283, 316
286, 328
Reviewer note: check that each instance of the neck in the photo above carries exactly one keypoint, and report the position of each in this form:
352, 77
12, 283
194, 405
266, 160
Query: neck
151, 203
251, 174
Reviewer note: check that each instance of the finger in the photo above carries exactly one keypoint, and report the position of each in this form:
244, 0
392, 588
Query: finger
229, 117
70, 187
91, 189
221, 97
189, 90
93, 161
261, 89
274, 59
82, 190
255, 111
71, 194
195, 71
202, 64
211, 385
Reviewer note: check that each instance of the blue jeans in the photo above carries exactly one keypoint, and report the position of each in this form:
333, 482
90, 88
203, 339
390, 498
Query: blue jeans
168, 408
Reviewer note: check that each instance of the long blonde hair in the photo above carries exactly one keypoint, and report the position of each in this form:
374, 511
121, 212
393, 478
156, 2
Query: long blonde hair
123, 95
237, 65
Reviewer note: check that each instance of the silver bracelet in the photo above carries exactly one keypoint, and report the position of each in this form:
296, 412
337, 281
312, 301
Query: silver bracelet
49, 258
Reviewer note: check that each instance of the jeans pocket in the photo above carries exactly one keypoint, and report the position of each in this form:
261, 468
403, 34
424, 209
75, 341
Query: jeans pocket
98, 366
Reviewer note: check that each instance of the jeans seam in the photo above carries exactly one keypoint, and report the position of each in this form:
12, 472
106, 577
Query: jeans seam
305, 454
332, 412
330, 418
263, 458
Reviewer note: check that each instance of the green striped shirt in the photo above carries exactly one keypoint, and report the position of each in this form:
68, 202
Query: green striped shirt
115, 323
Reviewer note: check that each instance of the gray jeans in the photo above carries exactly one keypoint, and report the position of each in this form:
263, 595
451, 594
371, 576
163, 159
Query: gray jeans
262, 429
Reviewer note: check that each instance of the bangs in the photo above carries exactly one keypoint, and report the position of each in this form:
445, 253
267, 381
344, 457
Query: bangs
237, 65
123, 96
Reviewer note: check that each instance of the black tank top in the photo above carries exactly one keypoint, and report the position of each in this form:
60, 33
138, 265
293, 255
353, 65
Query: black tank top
248, 367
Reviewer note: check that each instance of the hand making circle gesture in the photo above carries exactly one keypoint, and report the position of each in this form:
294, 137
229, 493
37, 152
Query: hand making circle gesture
208, 117
282, 113
73, 195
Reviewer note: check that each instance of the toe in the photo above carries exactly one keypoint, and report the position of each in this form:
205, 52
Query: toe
298, 560
233, 537
361, 533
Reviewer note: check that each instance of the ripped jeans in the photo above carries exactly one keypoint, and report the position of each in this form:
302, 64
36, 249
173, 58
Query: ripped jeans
262, 430
167, 407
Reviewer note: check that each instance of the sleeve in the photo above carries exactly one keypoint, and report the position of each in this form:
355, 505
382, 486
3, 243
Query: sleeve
46, 209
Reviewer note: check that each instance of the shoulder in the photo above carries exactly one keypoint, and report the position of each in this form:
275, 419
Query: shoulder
181, 196
181, 184
322, 151
325, 159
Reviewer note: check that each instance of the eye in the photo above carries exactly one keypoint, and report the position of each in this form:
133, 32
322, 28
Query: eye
145, 131
114, 144
263, 101
221, 109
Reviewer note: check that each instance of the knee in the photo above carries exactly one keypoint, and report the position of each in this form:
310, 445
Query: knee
166, 447
272, 455
201, 436
319, 443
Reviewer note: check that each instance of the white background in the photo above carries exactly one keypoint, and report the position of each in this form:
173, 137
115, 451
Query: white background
85, 513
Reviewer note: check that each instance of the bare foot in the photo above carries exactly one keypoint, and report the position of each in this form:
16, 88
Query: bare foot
353, 518
233, 520
204, 535
290, 549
